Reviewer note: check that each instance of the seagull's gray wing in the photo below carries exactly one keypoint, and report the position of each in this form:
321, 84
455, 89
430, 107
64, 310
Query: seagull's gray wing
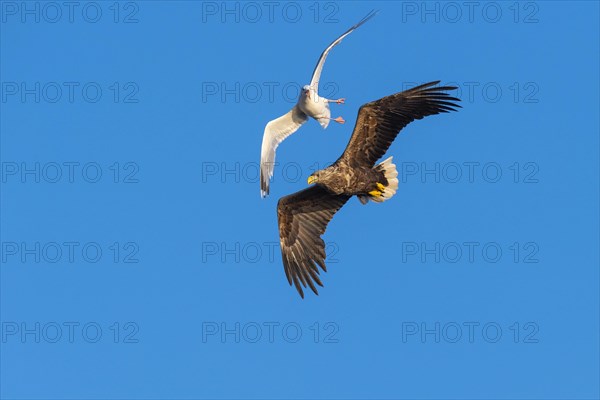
314, 82
275, 132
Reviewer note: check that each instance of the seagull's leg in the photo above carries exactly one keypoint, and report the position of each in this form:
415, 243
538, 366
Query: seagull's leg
339, 120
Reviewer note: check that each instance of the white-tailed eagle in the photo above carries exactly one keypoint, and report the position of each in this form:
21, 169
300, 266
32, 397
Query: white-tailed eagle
303, 216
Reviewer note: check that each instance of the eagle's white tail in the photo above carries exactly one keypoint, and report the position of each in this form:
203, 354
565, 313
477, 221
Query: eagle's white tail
391, 175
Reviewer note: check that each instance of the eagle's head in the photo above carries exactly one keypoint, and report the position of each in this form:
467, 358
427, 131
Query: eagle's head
318, 177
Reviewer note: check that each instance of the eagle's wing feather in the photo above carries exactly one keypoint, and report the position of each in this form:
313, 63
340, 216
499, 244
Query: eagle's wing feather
316, 76
275, 132
303, 218
379, 122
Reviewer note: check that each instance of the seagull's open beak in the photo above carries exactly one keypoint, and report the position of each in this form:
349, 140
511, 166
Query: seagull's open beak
312, 179
307, 93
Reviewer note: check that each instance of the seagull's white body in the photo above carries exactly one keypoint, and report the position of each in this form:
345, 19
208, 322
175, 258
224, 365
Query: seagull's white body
310, 104
315, 106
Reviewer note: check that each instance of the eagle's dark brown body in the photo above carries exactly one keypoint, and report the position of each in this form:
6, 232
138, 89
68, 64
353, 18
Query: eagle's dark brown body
341, 178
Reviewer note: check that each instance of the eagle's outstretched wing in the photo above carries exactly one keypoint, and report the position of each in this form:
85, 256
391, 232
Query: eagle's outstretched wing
303, 218
316, 76
379, 122
275, 132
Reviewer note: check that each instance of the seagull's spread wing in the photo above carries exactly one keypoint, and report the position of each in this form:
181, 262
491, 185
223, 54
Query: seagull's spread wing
314, 82
275, 132
303, 218
379, 122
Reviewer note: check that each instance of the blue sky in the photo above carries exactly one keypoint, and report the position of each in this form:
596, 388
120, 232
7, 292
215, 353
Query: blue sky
139, 261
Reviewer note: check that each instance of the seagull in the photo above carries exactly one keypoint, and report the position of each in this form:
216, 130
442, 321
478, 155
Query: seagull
309, 104
304, 215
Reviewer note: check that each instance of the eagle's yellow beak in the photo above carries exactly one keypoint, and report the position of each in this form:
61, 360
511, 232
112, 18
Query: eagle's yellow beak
312, 179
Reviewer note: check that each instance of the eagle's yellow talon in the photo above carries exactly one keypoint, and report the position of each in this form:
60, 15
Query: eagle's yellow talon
380, 186
375, 193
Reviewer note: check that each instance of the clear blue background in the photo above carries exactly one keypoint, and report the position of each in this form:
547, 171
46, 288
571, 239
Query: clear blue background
176, 130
